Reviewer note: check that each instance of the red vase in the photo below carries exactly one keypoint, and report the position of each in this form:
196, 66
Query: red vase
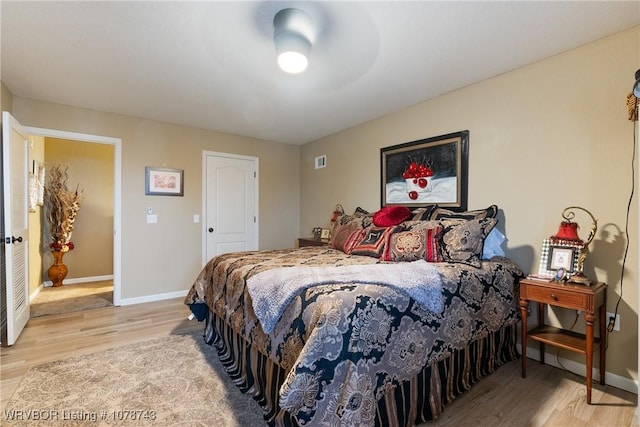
58, 271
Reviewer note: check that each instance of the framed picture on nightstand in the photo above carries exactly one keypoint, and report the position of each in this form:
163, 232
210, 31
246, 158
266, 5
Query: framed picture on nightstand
324, 234
558, 255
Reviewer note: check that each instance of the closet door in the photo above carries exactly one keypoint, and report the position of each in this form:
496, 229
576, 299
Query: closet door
231, 204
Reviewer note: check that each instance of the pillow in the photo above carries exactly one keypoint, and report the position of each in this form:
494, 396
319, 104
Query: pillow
420, 214
354, 221
462, 241
441, 213
493, 244
389, 216
373, 241
362, 221
345, 237
414, 245
361, 212
419, 225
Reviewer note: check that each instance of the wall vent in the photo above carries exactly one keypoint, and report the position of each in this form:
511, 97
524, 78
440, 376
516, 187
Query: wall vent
321, 161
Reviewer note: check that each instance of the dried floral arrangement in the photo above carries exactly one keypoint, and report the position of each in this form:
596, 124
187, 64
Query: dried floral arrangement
61, 207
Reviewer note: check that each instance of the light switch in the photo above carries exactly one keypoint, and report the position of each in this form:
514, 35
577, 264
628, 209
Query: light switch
196, 218
152, 219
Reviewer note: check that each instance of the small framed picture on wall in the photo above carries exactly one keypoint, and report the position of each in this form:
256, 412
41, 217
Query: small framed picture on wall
163, 181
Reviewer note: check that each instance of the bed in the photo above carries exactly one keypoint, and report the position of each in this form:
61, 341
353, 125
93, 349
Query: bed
354, 333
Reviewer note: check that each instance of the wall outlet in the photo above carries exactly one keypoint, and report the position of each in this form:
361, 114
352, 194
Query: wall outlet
616, 324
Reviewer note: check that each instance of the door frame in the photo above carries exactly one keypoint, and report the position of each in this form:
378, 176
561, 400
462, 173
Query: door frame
203, 220
117, 193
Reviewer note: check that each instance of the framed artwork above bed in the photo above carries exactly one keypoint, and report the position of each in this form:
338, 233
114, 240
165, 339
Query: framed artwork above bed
426, 172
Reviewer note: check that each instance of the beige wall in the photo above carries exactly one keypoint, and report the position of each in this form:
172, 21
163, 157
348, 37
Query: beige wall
91, 170
166, 257
543, 137
6, 99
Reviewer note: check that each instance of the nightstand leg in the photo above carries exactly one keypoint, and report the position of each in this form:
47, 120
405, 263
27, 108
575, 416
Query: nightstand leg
589, 318
524, 309
541, 322
603, 339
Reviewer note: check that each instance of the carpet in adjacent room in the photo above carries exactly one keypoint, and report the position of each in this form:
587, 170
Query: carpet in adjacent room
72, 298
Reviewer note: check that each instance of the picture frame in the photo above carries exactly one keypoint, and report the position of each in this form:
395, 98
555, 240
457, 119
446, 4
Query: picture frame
317, 232
325, 234
163, 181
559, 255
440, 175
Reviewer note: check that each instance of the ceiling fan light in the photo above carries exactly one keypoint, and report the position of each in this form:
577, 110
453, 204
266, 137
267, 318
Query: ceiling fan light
292, 62
290, 29
292, 50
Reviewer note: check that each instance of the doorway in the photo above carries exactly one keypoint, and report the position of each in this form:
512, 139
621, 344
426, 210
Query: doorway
112, 146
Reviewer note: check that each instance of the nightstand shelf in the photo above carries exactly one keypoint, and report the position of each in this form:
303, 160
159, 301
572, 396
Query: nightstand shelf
562, 338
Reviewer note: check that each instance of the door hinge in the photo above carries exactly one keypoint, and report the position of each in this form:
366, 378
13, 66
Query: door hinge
254, 219
255, 175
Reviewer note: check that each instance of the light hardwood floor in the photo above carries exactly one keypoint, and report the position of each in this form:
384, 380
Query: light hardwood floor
548, 397
55, 337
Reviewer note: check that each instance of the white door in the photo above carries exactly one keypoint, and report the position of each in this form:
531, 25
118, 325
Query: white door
231, 203
15, 159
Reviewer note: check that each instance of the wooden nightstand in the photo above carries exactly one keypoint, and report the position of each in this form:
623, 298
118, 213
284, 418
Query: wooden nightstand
590, 299
310, 241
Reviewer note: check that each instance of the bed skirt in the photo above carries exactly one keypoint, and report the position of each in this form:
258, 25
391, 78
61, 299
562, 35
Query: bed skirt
416, 401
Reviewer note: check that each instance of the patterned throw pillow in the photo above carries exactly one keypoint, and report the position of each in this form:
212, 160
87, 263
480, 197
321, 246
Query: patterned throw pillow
441, 213
345, 237
373, 241
462, 241
361, 212
423, 214
414, 245
350, 221
420, 225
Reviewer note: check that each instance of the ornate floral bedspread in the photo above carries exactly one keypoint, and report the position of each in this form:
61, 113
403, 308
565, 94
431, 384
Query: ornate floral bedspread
345, 345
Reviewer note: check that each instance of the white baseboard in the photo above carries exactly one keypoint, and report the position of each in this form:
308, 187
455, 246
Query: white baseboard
48, 283
550, 359
152, 298
35, 293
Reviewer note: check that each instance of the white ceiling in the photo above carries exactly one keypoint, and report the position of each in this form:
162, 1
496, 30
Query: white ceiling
212, 64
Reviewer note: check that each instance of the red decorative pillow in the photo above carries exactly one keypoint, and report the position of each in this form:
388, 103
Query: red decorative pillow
391, 215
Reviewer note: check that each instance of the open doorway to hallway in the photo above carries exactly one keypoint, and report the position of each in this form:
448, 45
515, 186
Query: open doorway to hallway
90, 264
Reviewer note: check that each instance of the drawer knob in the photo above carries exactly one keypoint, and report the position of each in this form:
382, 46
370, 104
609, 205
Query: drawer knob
554, 297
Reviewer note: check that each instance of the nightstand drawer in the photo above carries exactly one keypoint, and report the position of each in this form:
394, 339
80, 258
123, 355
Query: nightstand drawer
558, 297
